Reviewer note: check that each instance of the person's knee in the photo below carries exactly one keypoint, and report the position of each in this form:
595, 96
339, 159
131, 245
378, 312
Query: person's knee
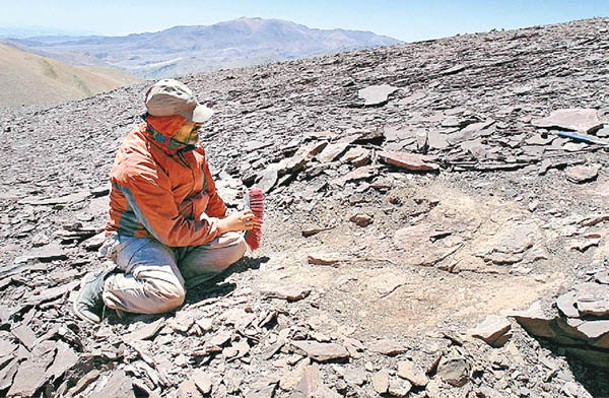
166, 295
233, 253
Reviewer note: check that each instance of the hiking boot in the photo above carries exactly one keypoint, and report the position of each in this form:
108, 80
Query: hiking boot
89, 304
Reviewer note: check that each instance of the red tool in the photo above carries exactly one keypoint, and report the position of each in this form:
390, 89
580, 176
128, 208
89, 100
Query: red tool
253, 237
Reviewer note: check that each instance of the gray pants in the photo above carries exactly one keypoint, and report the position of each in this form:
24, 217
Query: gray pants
156, 276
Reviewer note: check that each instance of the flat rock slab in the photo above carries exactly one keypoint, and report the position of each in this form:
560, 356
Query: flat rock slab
44, 253
566, 304
288, 292
52, 293
408, 161
145, 331
419, 249
387, 347
581, 174
493, 330
321, 352
376, 95
62, 200
510, 244
594, 329
332, 151
576, 119
65, 359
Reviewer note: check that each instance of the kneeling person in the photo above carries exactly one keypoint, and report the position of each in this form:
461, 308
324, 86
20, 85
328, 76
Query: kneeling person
168, 228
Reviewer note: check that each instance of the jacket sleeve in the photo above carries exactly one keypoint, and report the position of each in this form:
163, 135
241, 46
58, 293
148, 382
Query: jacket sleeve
149, 196
216, 206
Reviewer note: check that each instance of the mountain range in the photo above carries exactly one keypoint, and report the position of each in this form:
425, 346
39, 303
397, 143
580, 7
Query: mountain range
184, 50
31, 79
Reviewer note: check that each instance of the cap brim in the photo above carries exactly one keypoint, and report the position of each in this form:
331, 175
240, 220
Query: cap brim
200, 114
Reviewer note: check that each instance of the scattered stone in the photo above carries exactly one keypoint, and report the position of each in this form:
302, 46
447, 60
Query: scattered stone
361, 173
308, 232
380, 381
602, 277
321, 352
454, 371
290, 293
324, 259
187, 388
363, 220
94, 242
53, 293
493, 330
582, 174
203, 382
399, 388
355, 377
407, 370
65, 359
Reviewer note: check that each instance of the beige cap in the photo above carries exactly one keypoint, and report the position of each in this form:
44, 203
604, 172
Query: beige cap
169, 97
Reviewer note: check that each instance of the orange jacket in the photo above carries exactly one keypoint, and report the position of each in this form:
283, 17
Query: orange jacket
163, 189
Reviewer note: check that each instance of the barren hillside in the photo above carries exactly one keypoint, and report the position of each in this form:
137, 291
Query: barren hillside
412, 191
30, 79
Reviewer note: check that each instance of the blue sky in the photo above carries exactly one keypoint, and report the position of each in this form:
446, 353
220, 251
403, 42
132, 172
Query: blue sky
407, 20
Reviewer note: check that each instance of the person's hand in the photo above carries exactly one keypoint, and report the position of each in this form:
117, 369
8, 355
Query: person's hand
244, 220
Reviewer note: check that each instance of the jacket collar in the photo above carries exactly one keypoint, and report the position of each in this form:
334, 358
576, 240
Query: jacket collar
168, 145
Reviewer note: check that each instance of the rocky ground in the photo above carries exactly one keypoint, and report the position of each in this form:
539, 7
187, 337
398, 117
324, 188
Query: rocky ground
427, 208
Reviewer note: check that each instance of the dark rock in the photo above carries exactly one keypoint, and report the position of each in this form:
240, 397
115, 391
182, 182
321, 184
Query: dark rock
409, 161
363, 220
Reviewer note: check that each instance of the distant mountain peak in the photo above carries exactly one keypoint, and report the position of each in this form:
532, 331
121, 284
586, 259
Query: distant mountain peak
183, 50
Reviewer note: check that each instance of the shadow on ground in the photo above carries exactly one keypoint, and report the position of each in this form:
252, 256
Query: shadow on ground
207, 288
217, 286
